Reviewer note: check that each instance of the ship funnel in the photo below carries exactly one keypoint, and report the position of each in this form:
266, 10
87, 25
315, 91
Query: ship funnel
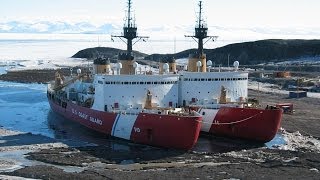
172, 65
101, 66
193, 63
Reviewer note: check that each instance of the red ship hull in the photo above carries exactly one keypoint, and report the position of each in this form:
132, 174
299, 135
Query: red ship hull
169, 131
248, 123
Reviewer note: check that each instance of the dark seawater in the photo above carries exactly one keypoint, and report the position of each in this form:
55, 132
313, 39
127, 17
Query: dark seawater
24, 107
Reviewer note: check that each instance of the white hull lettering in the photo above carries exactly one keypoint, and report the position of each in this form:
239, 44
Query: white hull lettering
95, 120
86, 117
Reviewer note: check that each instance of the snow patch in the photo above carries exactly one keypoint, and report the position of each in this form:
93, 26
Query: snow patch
49, 64
296, 141
270, 88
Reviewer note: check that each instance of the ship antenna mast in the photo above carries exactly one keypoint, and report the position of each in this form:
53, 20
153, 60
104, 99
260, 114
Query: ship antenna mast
201, 32
130, 31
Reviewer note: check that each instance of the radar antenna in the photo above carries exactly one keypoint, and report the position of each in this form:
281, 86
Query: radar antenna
201, 32
130, 31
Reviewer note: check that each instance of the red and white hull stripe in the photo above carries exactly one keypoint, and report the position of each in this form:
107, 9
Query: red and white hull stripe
255, 124
169, 131
123, 126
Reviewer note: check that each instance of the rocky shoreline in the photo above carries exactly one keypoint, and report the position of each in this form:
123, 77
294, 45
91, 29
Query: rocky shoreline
298, 159
34, 76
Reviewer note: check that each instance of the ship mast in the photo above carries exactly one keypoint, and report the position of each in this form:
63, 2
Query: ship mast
130, 32
201, 32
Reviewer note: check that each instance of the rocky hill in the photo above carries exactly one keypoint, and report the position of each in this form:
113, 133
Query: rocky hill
107, 52
247, 53
263, 51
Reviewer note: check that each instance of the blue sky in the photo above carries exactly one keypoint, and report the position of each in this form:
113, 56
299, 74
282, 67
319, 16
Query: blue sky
153, 13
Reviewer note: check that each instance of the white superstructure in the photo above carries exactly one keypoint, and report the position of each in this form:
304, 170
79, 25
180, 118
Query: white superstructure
131, 92
205, 87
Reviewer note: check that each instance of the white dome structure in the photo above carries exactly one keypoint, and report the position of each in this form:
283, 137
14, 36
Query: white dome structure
199, 64
209, 63
135, 65
78, 72
236, 65
166, 67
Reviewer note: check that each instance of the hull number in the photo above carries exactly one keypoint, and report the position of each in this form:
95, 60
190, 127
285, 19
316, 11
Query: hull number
137, 130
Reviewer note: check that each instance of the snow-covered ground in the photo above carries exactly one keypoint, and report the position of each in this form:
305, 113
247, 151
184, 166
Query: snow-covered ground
266, 87
296, 140
48, 64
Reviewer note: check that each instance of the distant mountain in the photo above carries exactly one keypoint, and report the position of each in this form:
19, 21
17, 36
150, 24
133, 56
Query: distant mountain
256, 52
160, 31
107, 52
55, 27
